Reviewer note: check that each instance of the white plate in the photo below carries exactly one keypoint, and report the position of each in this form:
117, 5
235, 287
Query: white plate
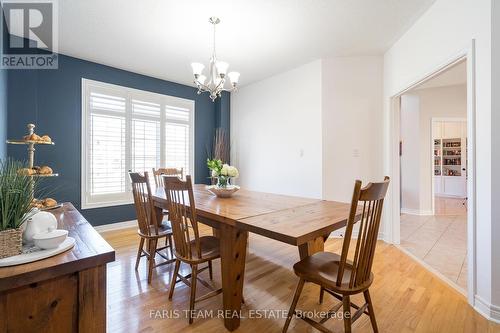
33, 253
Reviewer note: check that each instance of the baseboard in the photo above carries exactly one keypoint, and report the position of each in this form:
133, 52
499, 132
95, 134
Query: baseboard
487, 310
116, 226
416, 212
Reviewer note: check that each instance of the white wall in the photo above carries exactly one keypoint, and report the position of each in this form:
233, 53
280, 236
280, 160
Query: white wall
410, 157
447, 28
310, 131
352, 109
276, 133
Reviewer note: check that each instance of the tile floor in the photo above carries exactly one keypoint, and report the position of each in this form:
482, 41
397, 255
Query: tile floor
440, 241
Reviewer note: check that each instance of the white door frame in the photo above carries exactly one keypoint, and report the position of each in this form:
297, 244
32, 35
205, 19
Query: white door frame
467, 54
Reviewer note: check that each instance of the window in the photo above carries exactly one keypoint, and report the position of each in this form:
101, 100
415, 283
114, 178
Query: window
127, 129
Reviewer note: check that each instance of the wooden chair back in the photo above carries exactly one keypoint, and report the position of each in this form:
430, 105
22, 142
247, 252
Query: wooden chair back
182, 213
143, 202
372, 198
159, 173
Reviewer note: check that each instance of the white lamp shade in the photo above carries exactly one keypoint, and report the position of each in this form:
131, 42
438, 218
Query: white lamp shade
201, 79
222, 67
197, 68
234, 77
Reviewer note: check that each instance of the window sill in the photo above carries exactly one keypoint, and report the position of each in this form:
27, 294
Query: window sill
85, 206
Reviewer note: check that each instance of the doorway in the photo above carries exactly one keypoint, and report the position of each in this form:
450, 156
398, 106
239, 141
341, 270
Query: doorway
433, 173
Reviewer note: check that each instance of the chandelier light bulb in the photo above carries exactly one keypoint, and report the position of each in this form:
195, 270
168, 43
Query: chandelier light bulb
197, 68
234, 77
221, 67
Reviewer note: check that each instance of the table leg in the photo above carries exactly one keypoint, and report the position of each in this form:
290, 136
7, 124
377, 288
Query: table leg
312, 246
233, 252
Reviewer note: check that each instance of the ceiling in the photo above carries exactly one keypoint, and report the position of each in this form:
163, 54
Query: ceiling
258, 38
451, 77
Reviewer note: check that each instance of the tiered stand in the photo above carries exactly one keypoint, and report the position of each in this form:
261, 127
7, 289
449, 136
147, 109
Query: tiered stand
31, 152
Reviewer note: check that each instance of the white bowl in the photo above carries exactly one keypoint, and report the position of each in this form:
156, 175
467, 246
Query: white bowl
223, 192
51, 239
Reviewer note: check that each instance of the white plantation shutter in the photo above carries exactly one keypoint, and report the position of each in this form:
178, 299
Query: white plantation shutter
108, 154
177, 141
146, 138
127, 129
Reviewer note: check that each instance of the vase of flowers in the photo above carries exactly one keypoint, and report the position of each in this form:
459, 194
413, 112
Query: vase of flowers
16, 197
222, 173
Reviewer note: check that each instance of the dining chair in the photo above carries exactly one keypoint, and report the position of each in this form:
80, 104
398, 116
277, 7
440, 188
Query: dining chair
337, 275
160, 172
149, 231
194, 249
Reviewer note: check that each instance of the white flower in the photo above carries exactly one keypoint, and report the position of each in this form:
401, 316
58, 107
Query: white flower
233, 172
214, 173
225, 170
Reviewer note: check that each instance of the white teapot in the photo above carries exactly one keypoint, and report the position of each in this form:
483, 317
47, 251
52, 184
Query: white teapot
38, 223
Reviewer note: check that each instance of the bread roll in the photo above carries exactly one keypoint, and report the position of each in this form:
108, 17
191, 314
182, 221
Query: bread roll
45, 170
35, 137
49, 202
26, 171
46, 138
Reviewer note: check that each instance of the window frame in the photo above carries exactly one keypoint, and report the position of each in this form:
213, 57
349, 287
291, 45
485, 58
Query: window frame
110, 200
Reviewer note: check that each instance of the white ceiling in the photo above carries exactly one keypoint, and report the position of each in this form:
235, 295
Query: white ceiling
258, 38
452, 76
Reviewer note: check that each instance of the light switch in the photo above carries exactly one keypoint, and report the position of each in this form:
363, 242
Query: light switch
355, 153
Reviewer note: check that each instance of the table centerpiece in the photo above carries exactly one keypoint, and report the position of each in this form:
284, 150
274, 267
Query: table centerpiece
222, 174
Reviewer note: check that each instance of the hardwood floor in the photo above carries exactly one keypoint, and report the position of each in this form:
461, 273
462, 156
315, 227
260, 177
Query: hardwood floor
407, 298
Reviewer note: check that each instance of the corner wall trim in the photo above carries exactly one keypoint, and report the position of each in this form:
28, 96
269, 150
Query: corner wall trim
115, 226
486, 309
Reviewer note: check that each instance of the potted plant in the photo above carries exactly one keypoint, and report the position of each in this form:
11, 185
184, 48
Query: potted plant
16, 195
222, 173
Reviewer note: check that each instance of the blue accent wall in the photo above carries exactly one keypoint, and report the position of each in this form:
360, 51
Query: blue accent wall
51, 99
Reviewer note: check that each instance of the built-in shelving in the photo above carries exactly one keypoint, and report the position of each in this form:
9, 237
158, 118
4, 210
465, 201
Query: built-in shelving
449, 141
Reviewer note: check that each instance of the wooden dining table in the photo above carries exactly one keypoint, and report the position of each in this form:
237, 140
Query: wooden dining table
303, 222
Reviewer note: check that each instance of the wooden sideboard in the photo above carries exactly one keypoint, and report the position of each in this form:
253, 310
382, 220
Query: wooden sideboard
64, 293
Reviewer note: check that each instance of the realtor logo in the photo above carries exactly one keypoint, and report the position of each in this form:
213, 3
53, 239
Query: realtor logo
29, 34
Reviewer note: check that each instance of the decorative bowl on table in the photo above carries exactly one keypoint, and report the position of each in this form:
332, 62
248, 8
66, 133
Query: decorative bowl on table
223, 192
51, 239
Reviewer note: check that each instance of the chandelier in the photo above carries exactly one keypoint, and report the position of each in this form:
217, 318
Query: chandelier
217, 70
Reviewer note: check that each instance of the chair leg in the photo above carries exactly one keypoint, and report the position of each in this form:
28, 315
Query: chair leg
139, 252
346, 300
321, 294
296, 297
194, 274
368, 300
151, 258
171, 246
210, 273
174, 279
